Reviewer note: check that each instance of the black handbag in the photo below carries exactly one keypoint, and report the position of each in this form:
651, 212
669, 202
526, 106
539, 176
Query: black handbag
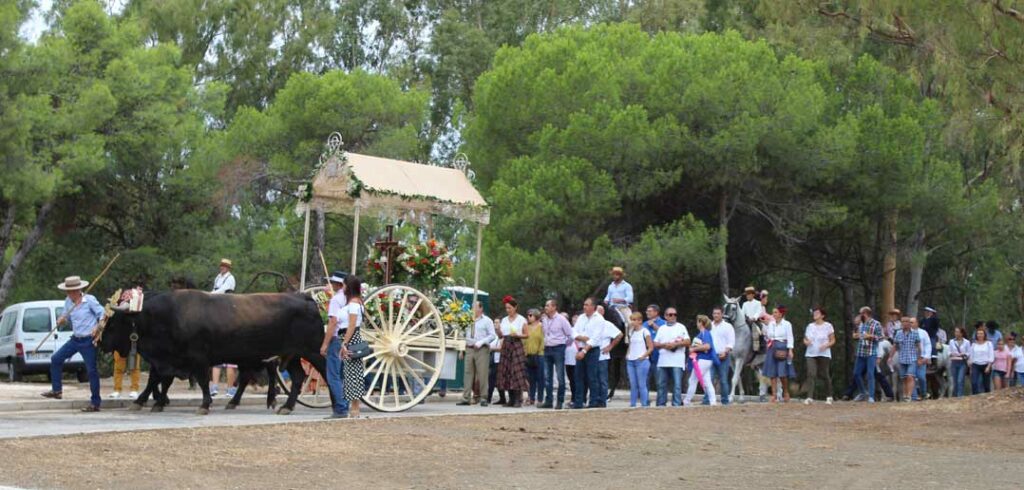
359, 350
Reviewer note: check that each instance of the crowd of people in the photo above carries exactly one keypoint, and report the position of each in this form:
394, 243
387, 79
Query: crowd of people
533, 358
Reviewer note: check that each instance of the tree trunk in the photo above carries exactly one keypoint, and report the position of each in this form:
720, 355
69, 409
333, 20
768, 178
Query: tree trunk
889, 263
723, 236
27, 245
918, 260
317, 274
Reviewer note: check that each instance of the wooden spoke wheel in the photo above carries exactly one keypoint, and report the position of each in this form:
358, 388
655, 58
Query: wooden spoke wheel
407, 335
314, 393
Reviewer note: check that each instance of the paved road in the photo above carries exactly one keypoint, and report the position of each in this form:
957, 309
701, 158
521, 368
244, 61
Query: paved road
63, 422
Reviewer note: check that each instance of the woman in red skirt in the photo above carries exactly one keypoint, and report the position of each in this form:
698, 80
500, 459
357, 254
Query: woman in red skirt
512, 369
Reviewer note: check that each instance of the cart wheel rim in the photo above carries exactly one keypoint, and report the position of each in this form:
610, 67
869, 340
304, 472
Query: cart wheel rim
407, 334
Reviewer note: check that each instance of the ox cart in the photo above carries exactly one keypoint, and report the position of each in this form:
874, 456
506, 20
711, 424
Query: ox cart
415, 343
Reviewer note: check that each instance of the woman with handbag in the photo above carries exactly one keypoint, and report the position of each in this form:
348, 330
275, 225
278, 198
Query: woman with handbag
778, 363
512, 370
534, 346
351, 320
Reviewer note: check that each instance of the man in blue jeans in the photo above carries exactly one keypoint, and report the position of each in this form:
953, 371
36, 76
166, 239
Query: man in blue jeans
331, 347
724, 336
84, 313
671, 341
921, 389
868, 332
557, 333
587, 333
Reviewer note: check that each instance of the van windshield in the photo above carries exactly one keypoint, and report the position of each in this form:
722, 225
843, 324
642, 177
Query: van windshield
36, 320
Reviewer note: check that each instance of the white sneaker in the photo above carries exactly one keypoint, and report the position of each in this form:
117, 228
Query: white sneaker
133, 395
115, 395
808, 401
828, 401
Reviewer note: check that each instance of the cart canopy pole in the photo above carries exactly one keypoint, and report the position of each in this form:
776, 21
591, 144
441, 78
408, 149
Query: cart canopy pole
305, 252
479, 248
355, 241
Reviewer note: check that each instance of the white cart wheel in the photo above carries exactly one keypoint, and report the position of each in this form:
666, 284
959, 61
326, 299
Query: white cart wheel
407, 335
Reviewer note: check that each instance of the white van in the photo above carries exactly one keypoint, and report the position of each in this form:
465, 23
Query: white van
22, 327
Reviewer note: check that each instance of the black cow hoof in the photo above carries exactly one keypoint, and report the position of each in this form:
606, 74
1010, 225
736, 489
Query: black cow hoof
231, 406
202, 411
134, 407
157, 408
284, 411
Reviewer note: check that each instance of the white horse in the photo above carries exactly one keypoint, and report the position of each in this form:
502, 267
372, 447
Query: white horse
743, 350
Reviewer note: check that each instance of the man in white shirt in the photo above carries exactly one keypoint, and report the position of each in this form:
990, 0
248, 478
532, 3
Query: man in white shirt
620, 292
588, 331
921, 390
477, 356
225, 281
724, 336
672, 340
610, 337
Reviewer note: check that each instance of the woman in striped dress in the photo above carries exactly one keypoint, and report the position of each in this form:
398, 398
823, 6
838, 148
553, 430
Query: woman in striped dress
512, 370
352, 319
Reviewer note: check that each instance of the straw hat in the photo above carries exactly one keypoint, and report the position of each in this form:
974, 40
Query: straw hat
749, 290
72, 283
618, 270
225, 263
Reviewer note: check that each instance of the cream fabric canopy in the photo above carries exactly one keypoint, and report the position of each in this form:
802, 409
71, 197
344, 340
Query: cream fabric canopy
394, 188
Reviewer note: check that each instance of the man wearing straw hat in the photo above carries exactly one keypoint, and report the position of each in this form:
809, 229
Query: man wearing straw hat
84, 313
620, 292
224, 283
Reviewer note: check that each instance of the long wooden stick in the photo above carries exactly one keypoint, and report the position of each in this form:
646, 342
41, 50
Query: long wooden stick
67, 314
324, 263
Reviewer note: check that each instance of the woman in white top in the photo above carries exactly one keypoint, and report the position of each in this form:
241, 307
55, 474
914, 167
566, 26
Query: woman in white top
959, 356
819, 337
778, 361
982, 356
638, 360
349, 325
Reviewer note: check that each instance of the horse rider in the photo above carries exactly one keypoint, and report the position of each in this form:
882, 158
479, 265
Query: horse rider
620, 293
753, 309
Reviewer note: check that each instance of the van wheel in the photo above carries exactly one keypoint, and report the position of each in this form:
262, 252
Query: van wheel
83, 376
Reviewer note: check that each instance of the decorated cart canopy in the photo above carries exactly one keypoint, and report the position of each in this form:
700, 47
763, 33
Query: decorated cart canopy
348, 182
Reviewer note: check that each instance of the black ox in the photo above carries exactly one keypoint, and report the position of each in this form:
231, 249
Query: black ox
185, 332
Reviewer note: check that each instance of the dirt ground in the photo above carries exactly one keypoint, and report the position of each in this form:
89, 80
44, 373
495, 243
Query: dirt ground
967, 443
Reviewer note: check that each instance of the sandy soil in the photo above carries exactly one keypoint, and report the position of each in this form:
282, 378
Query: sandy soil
967, 443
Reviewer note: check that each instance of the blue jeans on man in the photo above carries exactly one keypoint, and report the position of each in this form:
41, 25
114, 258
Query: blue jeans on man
721, 371
602, 376
587, 375
554, 365
864, 367
335, 379
83, 346
958, 368
677, 386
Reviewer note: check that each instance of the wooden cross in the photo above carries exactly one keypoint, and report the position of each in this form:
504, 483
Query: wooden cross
387, 248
